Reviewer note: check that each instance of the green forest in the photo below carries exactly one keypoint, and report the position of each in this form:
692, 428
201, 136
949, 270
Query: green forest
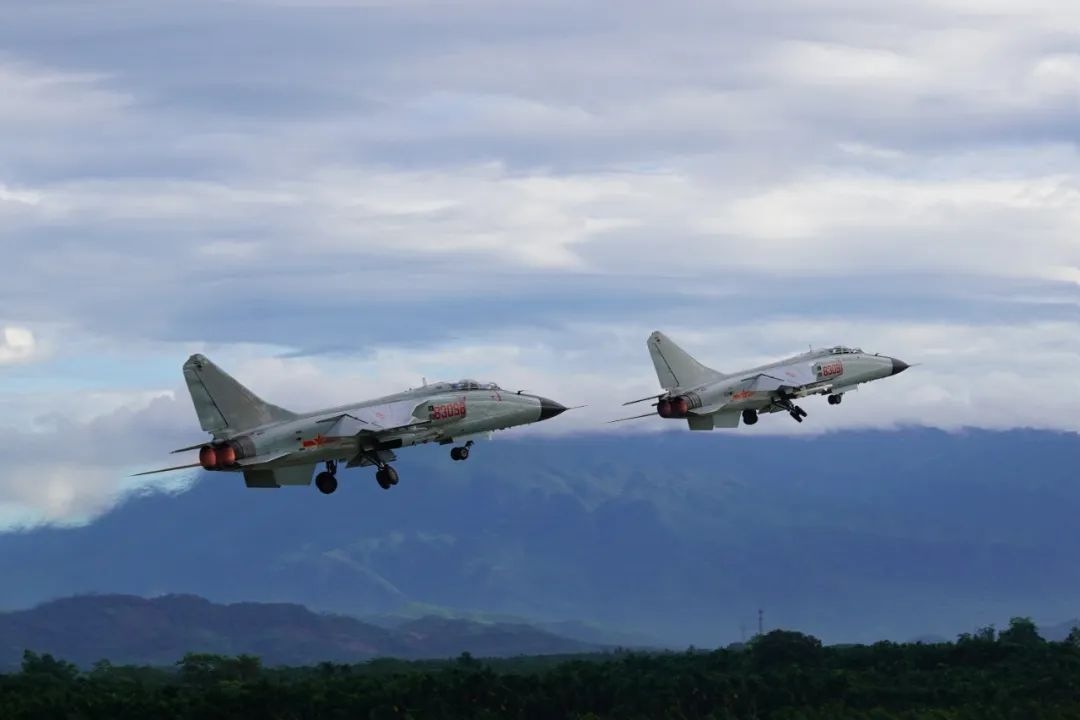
785, 675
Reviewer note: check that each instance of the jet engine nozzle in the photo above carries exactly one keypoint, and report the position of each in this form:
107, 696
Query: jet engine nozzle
225, 455
208, 457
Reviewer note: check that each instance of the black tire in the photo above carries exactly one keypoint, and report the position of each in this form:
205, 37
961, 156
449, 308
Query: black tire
749, 417
391, 475
380, 477
326, 483
463, 453
455, 454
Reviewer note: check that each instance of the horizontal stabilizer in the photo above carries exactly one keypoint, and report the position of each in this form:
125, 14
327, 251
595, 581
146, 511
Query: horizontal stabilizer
279, 477
186, 449
635, 417
645, 399
165, 470
723, 419
262, 459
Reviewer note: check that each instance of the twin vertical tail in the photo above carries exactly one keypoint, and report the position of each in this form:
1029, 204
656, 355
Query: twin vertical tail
675, 368
224, 406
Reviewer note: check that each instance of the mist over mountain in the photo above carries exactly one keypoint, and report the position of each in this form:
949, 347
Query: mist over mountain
854, 536
160, 631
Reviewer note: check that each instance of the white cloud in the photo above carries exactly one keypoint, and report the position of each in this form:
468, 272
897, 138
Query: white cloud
37, 98
823, 221
17, 344
996, 376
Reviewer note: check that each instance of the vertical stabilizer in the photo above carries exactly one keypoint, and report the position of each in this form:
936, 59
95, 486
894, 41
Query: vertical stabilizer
674, 366
223, 405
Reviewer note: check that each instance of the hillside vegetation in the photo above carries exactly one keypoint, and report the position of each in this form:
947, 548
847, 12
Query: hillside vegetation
781, 675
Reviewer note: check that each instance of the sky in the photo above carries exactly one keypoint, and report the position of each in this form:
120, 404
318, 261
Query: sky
336, 199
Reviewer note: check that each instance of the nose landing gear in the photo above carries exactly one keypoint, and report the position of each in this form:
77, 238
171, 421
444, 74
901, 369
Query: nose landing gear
461, 453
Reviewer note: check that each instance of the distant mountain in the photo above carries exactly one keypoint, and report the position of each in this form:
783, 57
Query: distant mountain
682, 537
132, 630
575, 630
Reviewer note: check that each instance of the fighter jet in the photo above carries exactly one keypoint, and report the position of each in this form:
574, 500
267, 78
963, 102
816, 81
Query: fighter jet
274, 447
709, 399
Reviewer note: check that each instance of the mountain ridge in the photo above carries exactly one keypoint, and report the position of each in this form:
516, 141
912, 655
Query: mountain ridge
128, 629
852, 537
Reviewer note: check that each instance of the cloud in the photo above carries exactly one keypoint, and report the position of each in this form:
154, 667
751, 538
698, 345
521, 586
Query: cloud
17, 344
338, 198
965, 377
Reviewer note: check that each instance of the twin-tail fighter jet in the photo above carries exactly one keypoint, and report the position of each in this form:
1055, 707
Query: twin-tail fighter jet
709, 399
274, 447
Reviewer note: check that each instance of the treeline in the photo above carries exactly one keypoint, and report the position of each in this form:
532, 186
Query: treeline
783, 675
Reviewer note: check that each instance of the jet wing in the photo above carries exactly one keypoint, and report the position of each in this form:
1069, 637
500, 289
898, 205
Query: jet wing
394, 417
787, 379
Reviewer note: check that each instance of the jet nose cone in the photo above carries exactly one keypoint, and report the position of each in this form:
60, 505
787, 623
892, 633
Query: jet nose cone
899, 366
550, 408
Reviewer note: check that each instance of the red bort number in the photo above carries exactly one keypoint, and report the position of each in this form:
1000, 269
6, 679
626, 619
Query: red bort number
447, 411
834, 368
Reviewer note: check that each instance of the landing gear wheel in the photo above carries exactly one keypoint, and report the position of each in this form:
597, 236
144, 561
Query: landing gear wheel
835, 399
461, 453
326, 482
749, 417
387, 477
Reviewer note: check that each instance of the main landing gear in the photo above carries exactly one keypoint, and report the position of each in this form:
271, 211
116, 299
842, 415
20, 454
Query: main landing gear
327, 481
835, 399
461, 453
749, 417
386, 476
793, 410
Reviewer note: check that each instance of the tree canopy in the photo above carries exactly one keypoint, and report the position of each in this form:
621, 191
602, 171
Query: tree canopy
783, 675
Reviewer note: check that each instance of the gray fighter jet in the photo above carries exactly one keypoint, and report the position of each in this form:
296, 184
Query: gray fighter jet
274, 447
709, 399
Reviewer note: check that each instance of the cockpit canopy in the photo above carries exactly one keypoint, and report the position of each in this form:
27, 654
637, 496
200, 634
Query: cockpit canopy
460, 385
473, 385
841, 350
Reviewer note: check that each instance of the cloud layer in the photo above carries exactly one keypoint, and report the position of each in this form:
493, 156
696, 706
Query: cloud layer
338, 198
